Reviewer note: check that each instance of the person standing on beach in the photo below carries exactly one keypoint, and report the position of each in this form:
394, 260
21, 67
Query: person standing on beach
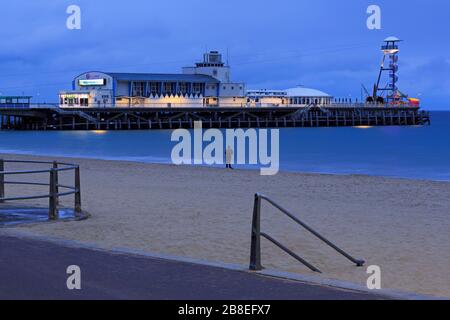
229, 157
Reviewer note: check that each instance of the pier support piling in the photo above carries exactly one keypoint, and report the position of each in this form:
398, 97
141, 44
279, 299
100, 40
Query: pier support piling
2, 180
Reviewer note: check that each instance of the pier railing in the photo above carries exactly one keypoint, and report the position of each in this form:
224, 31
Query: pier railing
174, 105
53, 185
255, 252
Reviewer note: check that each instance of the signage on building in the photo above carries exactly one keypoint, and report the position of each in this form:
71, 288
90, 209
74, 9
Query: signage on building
74, 96
91, 82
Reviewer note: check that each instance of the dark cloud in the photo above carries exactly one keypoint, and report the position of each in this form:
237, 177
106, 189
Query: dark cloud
272, 43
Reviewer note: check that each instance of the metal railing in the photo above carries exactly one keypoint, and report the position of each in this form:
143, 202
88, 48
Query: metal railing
158, 105
54, 186
255, 252
15, 105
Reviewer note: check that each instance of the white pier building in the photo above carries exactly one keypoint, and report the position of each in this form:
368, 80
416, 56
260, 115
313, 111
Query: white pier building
207, 84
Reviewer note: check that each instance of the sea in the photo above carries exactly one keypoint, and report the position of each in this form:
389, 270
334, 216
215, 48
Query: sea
419, 152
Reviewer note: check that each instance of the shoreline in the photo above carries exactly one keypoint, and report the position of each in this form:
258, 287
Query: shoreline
205, 213
167, 163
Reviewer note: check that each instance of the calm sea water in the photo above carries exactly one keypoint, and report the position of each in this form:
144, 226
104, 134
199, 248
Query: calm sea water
407, 152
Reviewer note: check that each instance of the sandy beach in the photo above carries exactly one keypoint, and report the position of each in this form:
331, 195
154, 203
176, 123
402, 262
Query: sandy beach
205, 213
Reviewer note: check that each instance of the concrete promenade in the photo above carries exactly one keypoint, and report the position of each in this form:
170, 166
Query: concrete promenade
35, 269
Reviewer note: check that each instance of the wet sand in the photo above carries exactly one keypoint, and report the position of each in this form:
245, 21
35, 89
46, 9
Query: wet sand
205, 213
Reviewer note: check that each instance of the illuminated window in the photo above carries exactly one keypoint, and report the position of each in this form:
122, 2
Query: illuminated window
154, 87
84, 102
183, 88
169, 87
197, 88
138, 89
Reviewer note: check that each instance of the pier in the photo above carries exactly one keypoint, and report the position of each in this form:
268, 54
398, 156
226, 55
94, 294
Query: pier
51, 117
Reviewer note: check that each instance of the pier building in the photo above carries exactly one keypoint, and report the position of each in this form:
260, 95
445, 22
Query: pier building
208, 83
15, 101
294, 97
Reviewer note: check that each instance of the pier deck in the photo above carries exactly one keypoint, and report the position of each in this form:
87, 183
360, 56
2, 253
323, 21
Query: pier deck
136, 118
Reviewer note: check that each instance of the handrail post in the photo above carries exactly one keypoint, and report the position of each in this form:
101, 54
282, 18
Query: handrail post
255, 251
2, 180
55, 166
77, 191
52, 208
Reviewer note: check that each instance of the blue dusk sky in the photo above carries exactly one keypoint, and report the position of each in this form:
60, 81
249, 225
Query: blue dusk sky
324, 44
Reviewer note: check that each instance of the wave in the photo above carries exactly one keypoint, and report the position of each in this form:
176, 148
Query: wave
144, 159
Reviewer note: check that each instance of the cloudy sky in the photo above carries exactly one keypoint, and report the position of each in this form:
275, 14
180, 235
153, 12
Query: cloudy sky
324, 44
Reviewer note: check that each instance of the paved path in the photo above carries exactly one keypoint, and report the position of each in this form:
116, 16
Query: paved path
34, 269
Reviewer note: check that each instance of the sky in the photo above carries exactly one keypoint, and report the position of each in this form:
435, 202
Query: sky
271, 44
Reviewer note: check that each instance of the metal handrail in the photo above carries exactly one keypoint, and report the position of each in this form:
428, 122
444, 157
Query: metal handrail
54, 186
255, 251
35, 171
